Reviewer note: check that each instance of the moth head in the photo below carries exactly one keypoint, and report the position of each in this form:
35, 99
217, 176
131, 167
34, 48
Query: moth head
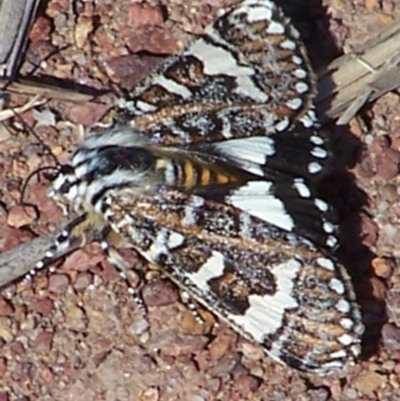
59, 176
96, 168
62, 182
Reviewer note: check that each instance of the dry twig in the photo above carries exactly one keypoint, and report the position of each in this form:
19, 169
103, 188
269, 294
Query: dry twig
18, 261
350, 81
16, 17
32, 103
32, 88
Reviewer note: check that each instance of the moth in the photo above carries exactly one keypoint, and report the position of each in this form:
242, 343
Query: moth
208, 171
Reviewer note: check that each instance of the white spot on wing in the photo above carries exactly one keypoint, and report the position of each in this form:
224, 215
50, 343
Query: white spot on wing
288, 44
346, 323
216, 60
302, 188
311, 114
343, 306
259, 13
326, 263
172, 86
282, 125
175, 240
338, 354
336, 285
144, 106
213, 267
306, 121
265, 314
331, 241
254, 150
256, 199
321, 153
316, 140
300, 73
346, 339
295, 103
275, 28
314, 168
297, 60
309, 119
328, 227
246, 87
301, 87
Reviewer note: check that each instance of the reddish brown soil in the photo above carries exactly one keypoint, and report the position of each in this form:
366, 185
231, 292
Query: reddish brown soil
76, 334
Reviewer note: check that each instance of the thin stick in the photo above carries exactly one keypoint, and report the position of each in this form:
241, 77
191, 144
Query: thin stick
29, 87
8, 113
18, 261
350, 81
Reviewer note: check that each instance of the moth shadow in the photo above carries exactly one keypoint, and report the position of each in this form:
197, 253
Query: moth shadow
339, 187
311, 19
356, 232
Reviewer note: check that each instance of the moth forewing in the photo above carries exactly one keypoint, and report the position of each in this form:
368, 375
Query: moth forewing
273, 287
243, 76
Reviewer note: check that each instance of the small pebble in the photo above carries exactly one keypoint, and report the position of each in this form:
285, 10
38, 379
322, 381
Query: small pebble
58, 283
383, 267
391, 337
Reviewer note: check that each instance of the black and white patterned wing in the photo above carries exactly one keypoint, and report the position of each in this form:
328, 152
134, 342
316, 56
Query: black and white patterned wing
120, 159
247, 75
207, 175
271, 284
290, 205
273, 287
300, 152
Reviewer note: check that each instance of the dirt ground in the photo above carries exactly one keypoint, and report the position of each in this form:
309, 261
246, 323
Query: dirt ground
74, 333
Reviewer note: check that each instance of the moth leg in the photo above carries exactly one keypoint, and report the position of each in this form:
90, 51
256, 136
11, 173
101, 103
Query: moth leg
111, 244
73, 235
82, 230
192, 305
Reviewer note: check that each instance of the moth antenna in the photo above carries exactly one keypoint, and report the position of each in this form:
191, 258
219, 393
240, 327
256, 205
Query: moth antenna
37, 137
40, 169
32, 174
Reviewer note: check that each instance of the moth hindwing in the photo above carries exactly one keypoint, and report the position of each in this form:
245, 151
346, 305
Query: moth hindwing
208, 171
274, 287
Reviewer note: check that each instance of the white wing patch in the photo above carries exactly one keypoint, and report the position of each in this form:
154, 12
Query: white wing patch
249, 153
216, 60
257, 199
265, 313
